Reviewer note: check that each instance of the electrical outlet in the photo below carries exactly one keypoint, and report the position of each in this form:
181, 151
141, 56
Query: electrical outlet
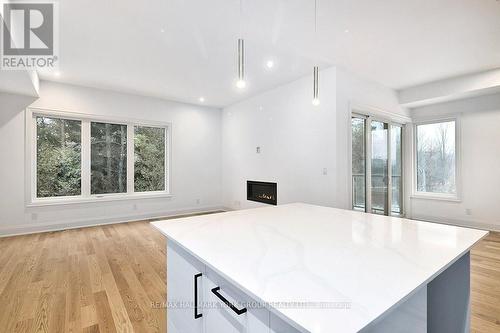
325, 171
468, 211
197, 201
257, 149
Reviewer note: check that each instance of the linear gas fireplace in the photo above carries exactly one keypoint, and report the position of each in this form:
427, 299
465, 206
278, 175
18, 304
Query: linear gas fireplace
262, 192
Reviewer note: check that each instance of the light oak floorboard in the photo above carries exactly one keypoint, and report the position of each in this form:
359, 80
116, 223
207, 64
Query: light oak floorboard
112, 278
97, 279
485, 285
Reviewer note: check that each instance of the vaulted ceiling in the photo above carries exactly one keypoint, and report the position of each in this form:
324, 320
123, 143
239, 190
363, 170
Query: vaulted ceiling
185, 49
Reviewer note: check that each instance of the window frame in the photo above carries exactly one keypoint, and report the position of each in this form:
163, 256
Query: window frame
86, 197
376, 114
454, 197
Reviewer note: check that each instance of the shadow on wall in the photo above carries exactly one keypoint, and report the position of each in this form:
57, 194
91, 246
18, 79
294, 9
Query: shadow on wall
11, 105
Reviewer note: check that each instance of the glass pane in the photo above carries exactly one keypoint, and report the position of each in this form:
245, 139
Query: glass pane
358, 164
149, 159
108, 158
379, 167
436, 158
396, 169
59, 157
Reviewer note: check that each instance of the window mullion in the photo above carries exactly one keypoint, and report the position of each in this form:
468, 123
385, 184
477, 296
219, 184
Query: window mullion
130, 158
86, 155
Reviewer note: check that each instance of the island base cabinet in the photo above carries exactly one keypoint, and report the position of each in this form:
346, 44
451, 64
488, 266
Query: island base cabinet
199, 300
221, 318
183, 275
279, 326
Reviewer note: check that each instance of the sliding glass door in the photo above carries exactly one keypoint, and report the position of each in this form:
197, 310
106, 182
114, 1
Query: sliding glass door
396, 169
379, 169
376, 166
359, 164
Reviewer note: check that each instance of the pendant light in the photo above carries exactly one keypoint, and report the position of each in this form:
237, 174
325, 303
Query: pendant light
241, 83
315, 100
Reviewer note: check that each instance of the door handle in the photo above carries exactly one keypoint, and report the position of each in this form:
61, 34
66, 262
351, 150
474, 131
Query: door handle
223, 299
196, 314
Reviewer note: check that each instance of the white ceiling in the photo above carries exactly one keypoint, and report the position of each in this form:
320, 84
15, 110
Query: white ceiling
184, 49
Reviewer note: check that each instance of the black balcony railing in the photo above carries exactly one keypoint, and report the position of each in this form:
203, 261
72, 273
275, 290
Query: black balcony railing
379, 192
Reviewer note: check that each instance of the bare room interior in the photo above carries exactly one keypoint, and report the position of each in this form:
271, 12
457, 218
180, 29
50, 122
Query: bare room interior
237, 166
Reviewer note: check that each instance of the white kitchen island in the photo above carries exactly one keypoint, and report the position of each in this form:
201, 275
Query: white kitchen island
304, 268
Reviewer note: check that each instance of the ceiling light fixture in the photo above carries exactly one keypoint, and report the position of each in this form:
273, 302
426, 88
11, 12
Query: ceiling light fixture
270, 64
57, 74
241, 64
202, 99
315, 100
241, 83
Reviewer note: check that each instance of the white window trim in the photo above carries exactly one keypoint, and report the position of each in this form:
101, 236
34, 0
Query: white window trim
456, 197
86, 197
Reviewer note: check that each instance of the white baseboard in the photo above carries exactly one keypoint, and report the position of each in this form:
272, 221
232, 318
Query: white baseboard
460, 223
24, 229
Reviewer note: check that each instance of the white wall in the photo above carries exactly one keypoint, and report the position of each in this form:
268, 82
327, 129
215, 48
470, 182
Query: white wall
12, 163
297, 140
362, 96
480, 127
196, 159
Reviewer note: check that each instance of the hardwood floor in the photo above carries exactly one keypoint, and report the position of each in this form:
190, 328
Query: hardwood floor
112, 279
98, 279
485, 281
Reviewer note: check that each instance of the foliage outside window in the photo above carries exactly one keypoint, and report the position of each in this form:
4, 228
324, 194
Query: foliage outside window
436, 158
108, 158
84, 159
358, 163
58, 162
149, 159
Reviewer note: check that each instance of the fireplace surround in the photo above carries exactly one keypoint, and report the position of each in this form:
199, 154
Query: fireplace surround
264, 192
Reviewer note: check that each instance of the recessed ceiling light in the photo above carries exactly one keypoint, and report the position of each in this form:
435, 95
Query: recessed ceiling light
270, 64
346, 31
162, 30
57, 74
201, 99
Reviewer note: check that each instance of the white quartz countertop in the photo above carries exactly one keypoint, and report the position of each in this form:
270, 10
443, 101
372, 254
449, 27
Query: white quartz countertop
321, 256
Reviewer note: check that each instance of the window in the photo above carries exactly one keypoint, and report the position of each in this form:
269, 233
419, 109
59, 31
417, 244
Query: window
436, 152
78, 158
149, 159
108, 158
58, 157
